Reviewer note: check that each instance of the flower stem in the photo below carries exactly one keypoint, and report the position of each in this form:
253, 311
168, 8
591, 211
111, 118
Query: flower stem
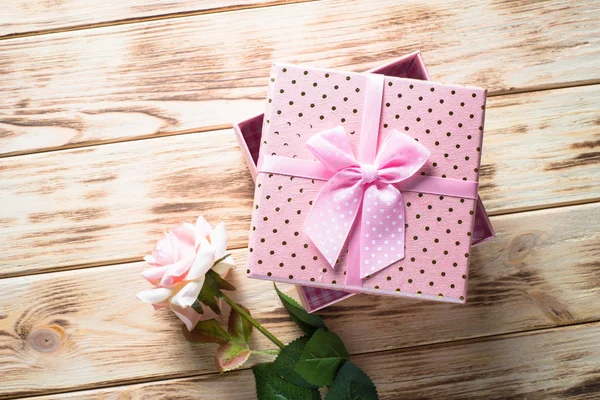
269, 352
254, 322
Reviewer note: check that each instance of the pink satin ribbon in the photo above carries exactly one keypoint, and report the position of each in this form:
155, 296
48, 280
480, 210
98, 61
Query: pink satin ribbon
370, 186
362, 200
416, 183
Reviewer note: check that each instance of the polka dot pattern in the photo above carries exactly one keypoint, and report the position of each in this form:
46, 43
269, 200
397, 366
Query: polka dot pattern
382, 229
447, 119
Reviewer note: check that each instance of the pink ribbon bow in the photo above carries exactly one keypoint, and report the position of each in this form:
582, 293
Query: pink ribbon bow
362, 189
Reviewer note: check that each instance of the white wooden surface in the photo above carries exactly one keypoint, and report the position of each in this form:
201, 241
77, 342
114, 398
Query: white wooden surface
114, 126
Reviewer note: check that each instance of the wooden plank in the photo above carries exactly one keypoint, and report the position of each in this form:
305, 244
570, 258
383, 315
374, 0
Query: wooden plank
542, 271
539, 150
534, 143
168, 76
507, 367
104, 203
30, 17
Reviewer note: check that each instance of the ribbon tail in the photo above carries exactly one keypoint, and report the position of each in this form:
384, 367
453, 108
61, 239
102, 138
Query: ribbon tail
382, 229
333, 214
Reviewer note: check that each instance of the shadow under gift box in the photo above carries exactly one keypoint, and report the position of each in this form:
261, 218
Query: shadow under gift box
249, 133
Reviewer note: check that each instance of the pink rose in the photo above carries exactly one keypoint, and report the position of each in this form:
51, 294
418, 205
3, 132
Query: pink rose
180, 262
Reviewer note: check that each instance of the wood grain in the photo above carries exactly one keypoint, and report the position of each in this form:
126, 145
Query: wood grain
542, 271
168, 76
109, 203
34, 17
92, 205
518, 366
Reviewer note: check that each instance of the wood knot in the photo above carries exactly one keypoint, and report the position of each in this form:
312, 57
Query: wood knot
521, 246
551, 306
127, 395
46, 339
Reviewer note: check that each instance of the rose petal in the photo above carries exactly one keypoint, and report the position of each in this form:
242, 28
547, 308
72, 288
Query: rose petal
161, 305
151, 260
189, 316
174, 246
203, 229
176, 272
224, 266
203, 262
156, 295
218, 238
188, 294
190, 226
187, 251
185, 240
163, 253
185, 234
155, 274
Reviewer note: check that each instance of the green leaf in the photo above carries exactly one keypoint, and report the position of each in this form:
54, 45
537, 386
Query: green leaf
351, 383
231, 356
286, 361
321, 358
271, 386
209, 300
198, 307
309, 323
221, 259
222, 283
211, 291
207, 332
239, 328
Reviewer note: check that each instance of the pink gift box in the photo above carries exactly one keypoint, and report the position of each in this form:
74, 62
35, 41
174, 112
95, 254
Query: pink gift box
281, 251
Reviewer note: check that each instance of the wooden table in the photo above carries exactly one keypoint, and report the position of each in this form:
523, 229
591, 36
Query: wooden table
116, 124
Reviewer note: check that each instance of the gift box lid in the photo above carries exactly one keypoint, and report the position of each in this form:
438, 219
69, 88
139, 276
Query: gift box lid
249, 133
